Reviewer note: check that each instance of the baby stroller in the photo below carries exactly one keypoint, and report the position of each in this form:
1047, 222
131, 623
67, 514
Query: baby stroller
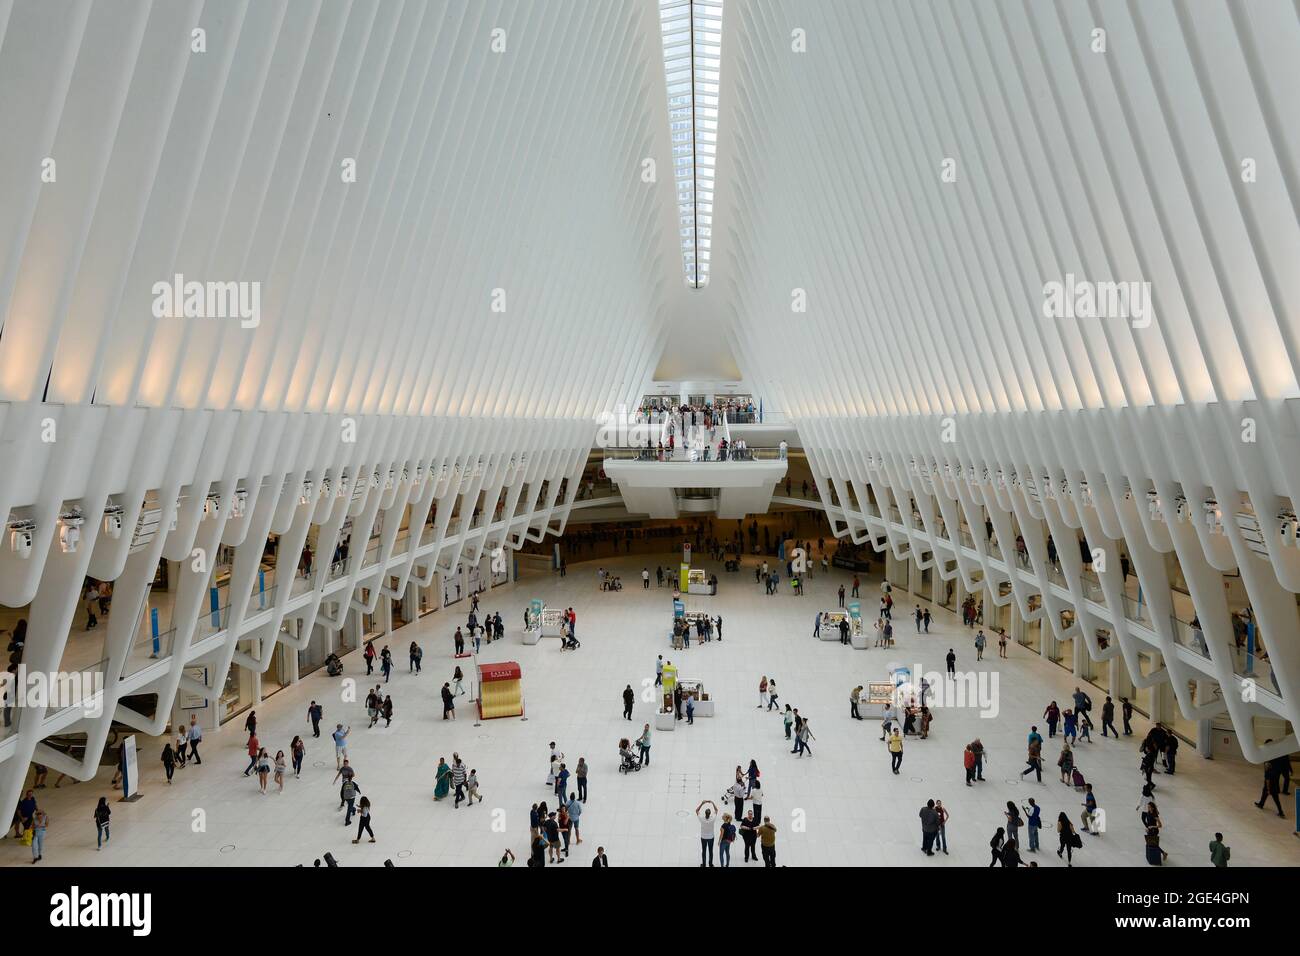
333, 666
569, 642
628, 762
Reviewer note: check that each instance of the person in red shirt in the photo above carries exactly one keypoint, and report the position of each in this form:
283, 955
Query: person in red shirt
254, 748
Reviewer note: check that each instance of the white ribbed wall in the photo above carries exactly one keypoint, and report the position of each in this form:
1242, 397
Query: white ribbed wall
923, 367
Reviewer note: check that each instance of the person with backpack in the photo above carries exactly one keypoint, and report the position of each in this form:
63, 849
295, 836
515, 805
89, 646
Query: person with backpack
1065, 761
102, 815
726, 837
1070, 840
1219, 853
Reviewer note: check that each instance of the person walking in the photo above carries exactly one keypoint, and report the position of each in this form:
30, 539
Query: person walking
363, 820
855, 697
771, 696
442, 779
263, 761
102, 815
297, 751
1070, 840
168, 761
1219, 853
804, 739
448, 702
40, 823
254, 748
458, 778
1272, 778
896, 750
471, 787
1126, 712
968, 761
1108, 718
787, 718
340, 744
995, 847
1034, 761
1052, 714
1066, 761
762, 692
314, 714
977, 748
951, 660
196, 738
628, 698
643, 744
706, 830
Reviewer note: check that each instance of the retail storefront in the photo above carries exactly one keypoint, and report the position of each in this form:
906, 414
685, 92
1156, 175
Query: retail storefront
313, 655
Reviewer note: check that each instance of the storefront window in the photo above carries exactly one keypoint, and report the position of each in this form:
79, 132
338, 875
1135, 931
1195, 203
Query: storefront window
313, 655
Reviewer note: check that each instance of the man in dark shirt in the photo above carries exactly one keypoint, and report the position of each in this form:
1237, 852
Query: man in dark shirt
552, 830
929, 827
601, 859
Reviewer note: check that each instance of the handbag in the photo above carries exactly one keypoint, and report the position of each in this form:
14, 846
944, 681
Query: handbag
28, 835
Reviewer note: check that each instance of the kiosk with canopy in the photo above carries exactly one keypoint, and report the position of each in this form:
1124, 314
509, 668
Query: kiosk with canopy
501, 692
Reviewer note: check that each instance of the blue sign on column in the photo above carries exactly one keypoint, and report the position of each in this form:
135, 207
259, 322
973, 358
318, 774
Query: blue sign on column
216, 607
261, 589
153, 629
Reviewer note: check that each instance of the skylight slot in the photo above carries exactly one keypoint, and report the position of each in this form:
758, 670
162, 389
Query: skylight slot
692, 32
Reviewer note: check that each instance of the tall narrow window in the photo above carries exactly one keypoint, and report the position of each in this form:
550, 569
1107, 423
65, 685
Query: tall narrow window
692, 31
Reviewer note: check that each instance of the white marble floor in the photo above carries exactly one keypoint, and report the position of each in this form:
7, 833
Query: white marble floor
841, 806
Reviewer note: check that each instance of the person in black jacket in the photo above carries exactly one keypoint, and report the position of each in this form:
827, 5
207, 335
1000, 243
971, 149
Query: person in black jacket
601, 859
628, 698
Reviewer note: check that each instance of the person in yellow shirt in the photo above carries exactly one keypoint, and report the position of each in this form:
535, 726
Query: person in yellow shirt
896, 749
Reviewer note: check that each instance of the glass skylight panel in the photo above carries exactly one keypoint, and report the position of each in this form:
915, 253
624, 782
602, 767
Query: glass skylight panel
692, 34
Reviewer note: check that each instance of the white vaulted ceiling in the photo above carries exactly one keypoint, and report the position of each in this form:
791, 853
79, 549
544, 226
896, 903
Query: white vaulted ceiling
501, 150
476, 171
925, 296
